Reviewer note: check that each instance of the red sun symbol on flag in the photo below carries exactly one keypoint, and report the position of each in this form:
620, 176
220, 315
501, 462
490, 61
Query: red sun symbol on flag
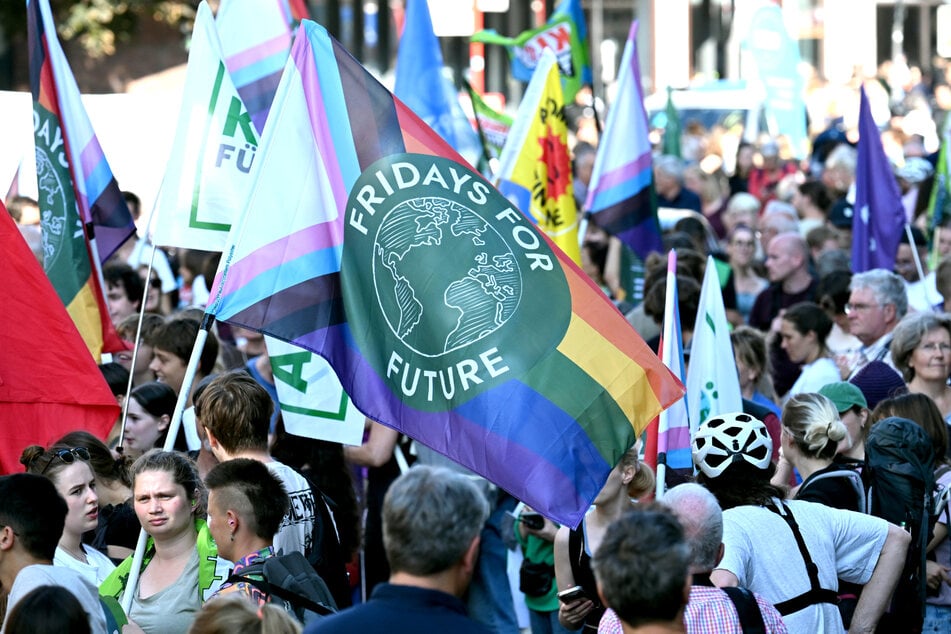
558, 164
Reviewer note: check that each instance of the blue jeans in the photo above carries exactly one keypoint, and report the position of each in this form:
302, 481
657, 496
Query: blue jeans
546, 623
490, 599
937, 619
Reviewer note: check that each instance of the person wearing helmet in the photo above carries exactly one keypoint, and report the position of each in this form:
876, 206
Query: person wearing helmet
763, 532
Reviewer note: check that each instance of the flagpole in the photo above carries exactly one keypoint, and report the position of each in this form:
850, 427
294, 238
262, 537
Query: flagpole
138, 328
482, 141
206, 323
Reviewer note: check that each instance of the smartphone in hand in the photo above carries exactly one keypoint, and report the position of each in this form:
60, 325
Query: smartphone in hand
572, 594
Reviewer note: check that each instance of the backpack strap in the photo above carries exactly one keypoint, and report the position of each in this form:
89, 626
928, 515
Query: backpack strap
816, 593
751, 619
293, 598
854, 478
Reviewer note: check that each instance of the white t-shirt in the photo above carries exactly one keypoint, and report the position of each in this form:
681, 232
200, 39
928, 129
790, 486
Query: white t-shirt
760, 549
95, 571
32, 577
297, 529
814, 376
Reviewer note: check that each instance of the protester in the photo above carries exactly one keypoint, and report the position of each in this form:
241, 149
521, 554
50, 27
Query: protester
117, 529
922, 291
854, 413
921, 351
741, 248
235, 414
68, 469
803, 334
877, 303
669, 184
732, 452
642, 570
32, 517
128, 328
172, 345
151, 406
231, 614
124, 291
181, 569
246, 505
575, 547
48, 609
752, 366
432, 518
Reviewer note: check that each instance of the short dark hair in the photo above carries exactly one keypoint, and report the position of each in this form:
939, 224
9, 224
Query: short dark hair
237, 410
250, 489
116, 376
128, 327
48, 609
177, 337
30, 505
122, 275
807, 317
642, 566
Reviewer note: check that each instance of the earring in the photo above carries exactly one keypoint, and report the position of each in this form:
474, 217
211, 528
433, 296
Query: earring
232, 535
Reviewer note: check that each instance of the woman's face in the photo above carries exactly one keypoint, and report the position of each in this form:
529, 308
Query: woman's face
797, 345
77, 485
855, 425
142, 430
163, 506
931, 358
747, 374
742, 248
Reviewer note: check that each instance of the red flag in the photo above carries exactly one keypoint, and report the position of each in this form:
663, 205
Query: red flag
49, 385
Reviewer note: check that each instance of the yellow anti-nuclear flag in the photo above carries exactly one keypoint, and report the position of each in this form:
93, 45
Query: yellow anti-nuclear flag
535, 166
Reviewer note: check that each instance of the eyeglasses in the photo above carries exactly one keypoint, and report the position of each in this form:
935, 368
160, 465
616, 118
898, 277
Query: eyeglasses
944, 348
856, 307
68, 456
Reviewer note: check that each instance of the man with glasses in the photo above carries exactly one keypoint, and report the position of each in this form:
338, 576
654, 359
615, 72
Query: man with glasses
32, 516
877, 302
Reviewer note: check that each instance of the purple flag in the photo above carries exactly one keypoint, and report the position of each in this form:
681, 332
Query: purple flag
879, 215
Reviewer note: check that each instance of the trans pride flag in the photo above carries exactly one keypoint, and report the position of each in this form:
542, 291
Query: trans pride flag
256, 38
73, 179
443, 311
621, 194
55, 91
668, 440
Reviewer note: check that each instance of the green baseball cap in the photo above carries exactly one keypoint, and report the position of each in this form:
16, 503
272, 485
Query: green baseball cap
844, 395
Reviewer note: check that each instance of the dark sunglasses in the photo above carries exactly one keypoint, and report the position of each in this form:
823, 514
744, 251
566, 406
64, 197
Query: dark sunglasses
68, 456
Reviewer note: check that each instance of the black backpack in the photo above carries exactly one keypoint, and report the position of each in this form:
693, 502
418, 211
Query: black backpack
326, 555
899, 472
292, 579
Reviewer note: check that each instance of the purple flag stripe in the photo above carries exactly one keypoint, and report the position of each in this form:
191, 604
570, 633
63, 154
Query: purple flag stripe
626, 172
516, 467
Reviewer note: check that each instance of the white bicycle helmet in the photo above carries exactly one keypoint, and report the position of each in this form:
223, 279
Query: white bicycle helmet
729, 438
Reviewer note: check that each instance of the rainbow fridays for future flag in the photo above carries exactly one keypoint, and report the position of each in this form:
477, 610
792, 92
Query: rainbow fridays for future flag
444, 312
72, 177
64, 133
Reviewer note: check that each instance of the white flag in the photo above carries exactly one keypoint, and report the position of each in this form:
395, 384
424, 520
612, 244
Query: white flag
713, 385
313, 403
208, 177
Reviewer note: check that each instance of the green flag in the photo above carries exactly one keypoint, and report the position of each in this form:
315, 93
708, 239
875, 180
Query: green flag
672, 129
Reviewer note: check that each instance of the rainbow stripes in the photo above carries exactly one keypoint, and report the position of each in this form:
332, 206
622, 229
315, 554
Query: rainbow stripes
620, 196
572, 388
72, 174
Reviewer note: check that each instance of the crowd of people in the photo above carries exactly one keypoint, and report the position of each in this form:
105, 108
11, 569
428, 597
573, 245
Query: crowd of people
823, 354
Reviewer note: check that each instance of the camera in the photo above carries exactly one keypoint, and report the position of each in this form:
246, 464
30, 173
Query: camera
534, 521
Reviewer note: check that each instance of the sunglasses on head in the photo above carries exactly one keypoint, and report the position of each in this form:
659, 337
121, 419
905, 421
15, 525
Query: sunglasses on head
68, 456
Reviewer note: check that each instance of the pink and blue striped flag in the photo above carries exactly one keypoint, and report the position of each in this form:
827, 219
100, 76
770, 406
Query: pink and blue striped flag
879, 218
256, 39
445, 313
621, 195
671, 458
97, 194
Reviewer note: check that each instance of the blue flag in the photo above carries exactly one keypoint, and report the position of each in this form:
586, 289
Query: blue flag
879, 215
421, 84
